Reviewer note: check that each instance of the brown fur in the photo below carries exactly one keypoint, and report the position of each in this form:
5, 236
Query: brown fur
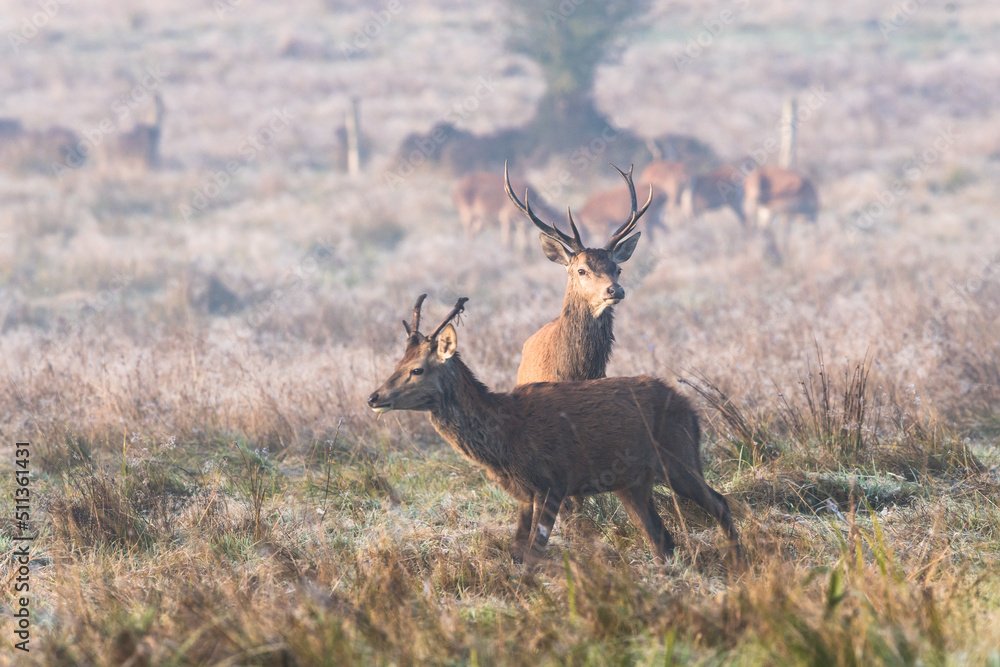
769, 191
673, 178
545, 442
602, 212
480, 200
718, 188
576, 345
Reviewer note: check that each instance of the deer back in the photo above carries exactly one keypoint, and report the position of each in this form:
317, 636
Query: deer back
602, 212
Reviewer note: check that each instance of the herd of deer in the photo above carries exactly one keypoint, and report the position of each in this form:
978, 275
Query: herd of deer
565, 431
56, 148
767, 192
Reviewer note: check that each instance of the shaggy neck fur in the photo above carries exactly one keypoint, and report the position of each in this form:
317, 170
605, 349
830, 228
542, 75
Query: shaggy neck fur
471, 417
584, 341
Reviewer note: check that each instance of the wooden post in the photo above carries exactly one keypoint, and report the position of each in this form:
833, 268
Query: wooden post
789, 121
353, 126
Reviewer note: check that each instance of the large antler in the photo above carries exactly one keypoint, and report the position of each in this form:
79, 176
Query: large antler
416, 317
459, 307
636, 213
574, 242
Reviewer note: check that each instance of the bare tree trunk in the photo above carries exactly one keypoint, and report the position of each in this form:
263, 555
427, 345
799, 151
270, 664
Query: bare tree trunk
787, 158
353, 125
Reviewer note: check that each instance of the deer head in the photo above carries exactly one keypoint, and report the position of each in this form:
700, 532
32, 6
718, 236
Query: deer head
593, 272
415, 384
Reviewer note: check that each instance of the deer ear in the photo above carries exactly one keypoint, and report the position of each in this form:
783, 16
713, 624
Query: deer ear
625, 249
447, 343
554, 250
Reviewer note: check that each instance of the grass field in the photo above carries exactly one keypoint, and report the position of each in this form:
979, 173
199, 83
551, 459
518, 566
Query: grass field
189, 349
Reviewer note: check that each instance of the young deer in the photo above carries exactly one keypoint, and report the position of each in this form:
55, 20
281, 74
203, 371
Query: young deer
547, 441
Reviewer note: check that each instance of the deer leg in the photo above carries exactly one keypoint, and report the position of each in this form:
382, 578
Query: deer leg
783, 230
546, 507
638, 503
687, 485
525, 511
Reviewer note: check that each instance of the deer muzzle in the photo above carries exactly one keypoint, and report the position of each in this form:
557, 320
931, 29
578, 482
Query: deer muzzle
378, 404
614, 293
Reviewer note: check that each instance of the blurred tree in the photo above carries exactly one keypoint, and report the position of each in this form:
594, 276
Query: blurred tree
569, 39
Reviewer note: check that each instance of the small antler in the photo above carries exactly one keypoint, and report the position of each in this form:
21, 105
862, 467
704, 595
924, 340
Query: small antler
416, 317
636, 213
459, 307
574, 243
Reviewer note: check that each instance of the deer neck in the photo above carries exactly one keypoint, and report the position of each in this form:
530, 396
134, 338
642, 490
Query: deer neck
471, 417
584, 341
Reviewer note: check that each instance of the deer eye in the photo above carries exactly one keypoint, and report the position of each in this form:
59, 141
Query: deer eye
416, 371
619, 272
582, 272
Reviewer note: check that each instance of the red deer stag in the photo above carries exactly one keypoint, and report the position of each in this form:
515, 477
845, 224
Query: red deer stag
547, 441
673, 178
577, 344
480, 200
718, 188
601, 212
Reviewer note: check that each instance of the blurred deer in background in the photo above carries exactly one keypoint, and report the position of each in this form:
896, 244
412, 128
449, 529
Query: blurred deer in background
673, 179
545, 442
137, 150
722, 187
775, 192
41, 151
480, 200
601, 212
